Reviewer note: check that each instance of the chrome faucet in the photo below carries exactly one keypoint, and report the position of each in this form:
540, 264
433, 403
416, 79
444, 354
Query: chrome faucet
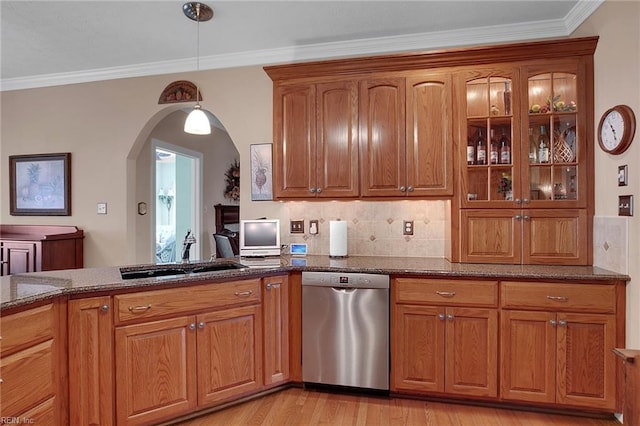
186, 245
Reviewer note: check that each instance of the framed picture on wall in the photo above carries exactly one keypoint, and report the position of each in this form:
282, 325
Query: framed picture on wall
261, 172
40, 184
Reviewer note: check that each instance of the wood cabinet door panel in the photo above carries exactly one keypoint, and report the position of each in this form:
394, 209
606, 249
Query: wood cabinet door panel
418, 348
229, 354
91, 361
429, 135
20, 257
294, 140
528, 348
490, 236
556, 236
155, 370
28, 378
382, 136
337, 140
275, 314
586, 363
471, 352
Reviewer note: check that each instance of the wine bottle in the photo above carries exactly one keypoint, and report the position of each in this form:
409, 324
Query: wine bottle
543, 146
493, 149
481, 149
471, 152
505, 148
507, 98
533, 147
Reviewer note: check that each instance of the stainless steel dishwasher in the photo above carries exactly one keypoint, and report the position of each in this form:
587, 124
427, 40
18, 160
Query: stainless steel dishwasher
345, 329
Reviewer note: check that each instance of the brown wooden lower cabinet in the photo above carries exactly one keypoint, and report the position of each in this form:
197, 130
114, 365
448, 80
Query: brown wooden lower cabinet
275, 320
33, 385
170, 367
561, 353
91, 400
437, 346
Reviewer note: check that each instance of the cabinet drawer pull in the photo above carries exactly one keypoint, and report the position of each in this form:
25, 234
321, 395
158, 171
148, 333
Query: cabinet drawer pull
445, 293
139, 308
244, 293
558, 298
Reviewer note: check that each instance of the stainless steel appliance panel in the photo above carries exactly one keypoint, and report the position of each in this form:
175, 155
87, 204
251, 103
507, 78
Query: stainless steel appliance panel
345, 329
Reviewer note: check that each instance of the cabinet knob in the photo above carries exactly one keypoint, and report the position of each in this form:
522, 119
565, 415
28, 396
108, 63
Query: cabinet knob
269, 286
403, 189
441, 317
192, 326
450, 317
526, 201
410, 189
518, 216
518, 201
562, 323
312, 190
201, 325
553, 322
1, 381
104, 308
526, 217
318, 190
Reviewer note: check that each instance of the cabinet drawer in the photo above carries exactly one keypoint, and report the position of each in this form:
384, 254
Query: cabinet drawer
175, 301
26, 328
27, 378
559, 297
446, 292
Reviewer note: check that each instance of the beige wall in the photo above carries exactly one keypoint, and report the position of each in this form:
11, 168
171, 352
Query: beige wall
617, 81
106, 126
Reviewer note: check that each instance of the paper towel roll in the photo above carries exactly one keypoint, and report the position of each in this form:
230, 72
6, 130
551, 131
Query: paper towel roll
337, 238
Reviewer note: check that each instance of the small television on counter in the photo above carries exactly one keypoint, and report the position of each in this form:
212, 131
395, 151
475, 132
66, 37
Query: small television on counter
259, 237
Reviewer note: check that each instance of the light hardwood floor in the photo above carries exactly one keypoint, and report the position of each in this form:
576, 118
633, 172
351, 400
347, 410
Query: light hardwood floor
300, 407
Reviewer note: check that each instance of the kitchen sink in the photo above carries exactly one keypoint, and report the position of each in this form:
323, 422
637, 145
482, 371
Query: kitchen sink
130, 273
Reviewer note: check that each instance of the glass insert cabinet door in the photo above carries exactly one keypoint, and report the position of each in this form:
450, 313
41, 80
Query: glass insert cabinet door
554, 135
492, 141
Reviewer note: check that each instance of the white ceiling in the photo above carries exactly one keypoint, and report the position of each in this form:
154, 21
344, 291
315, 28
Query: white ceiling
46, 43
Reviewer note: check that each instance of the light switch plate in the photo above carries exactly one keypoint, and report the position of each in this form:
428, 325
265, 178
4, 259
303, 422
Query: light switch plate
102, 208
623, 172
625, 205
297, 227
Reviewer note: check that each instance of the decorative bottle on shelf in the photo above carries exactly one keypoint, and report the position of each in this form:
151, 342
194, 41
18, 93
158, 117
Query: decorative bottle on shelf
505, 148
481, 149
507, 98
493, 149
533, 147
543, 146
471, 151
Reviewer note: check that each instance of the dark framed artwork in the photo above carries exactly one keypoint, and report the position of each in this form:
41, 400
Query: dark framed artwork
261, 168
40, 184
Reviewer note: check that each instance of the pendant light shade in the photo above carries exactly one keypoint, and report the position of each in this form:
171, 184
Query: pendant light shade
197, 122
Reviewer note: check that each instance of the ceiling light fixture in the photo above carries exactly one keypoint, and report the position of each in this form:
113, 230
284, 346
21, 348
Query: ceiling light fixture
197, 122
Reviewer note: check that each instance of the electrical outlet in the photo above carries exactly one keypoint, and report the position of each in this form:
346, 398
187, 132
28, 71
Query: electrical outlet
101, 208
297, 226
407, 227
313, 227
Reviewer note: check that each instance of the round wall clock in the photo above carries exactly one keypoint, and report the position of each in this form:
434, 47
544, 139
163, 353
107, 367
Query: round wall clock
616, 129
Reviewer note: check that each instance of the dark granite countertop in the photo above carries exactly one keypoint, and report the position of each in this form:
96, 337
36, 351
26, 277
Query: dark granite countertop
23, 289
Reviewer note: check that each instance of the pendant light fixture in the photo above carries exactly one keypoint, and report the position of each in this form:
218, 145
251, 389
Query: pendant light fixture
197, 122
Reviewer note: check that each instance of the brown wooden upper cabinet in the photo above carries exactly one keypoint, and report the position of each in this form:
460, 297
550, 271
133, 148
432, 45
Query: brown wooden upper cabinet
316, 140
375, 135
406, 137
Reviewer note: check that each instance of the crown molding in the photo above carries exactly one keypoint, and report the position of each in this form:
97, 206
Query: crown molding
562, 27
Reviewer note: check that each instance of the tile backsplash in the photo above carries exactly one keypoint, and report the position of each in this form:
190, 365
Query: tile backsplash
610, 243
373, 228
